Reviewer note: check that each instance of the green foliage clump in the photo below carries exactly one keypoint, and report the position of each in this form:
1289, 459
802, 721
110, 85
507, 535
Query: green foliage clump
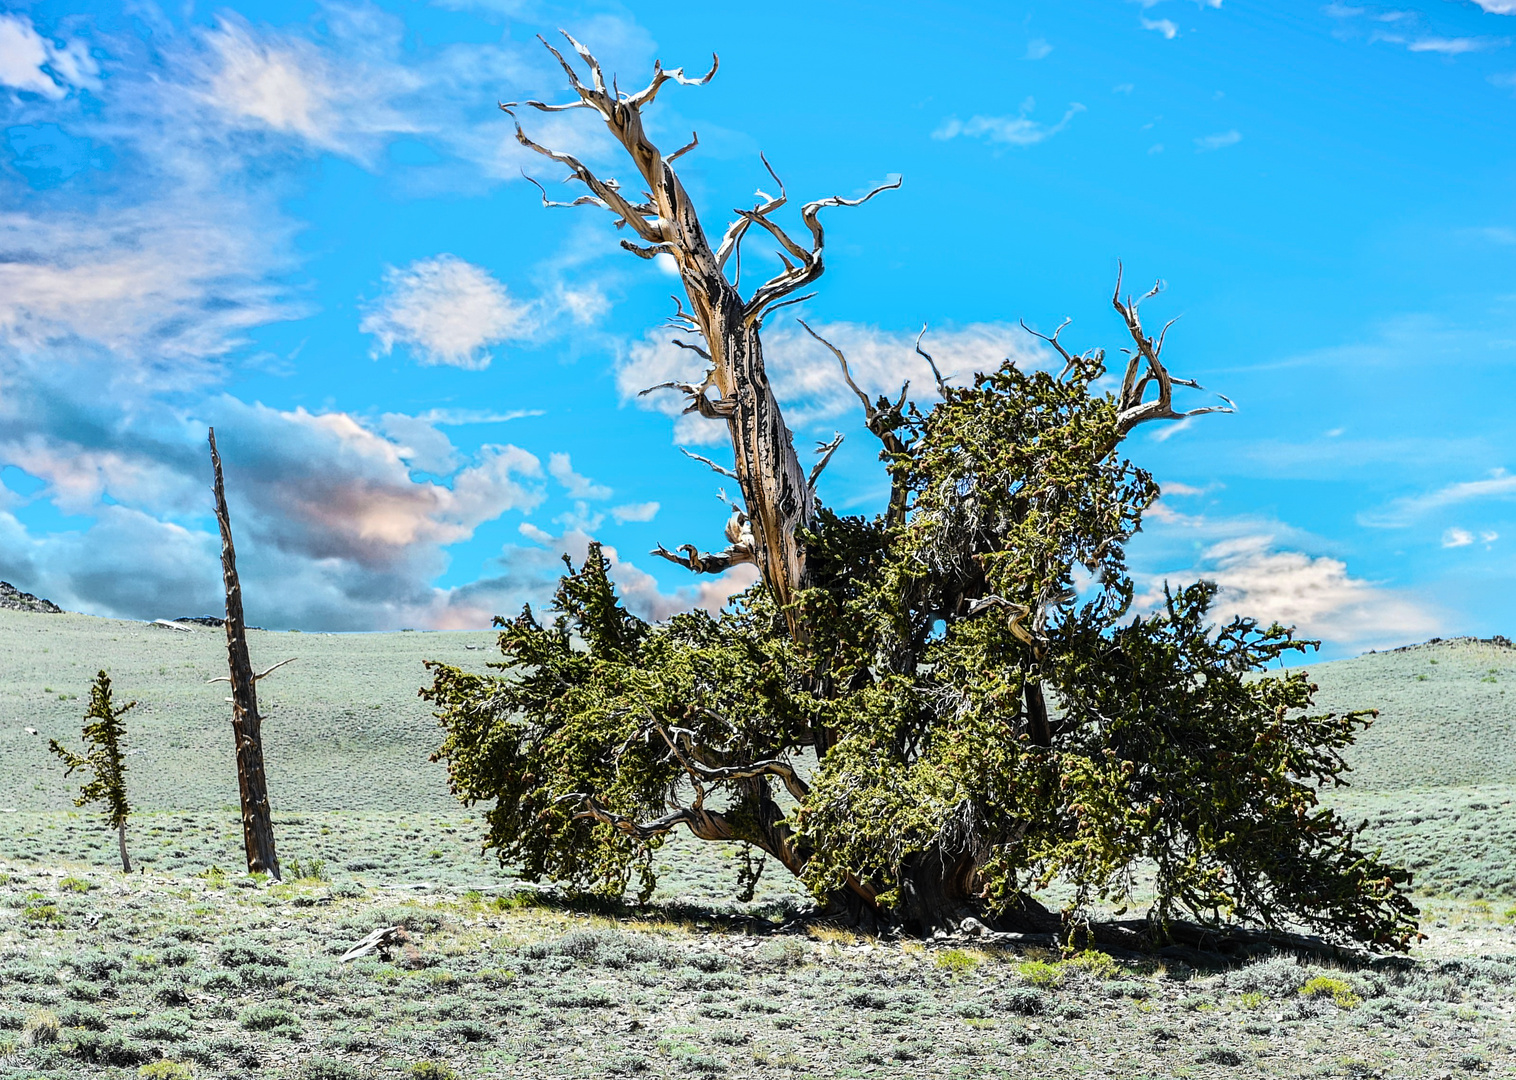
312, 869
986, 712
431, 1070
1338, 990
241, 954
958, 960
1040, 973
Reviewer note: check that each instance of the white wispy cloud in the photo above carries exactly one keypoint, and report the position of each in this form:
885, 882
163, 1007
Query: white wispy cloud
446, 311
1456, 46
1018, 130
1037, 49
1218, 141
1165, 27
1498, 7
1456, 537
152, 283
1412, 30
1498, 485
288, 84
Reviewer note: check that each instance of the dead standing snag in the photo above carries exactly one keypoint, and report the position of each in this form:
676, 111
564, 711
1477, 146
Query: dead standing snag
779, 497
257, 818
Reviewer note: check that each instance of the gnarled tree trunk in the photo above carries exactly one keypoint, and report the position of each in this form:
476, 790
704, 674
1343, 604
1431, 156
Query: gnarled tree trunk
939, 884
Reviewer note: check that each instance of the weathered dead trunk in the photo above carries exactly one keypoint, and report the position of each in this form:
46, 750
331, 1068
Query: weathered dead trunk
126, 863
257, 819
774, 488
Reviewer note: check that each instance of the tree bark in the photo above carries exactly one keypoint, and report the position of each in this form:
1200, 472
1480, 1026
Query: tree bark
779, 500
126, 863
257, 819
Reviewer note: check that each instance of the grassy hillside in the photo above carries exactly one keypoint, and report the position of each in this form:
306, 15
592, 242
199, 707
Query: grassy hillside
182, 972
347, 740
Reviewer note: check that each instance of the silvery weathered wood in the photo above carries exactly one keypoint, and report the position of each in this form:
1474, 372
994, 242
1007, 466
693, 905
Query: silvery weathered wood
775, 488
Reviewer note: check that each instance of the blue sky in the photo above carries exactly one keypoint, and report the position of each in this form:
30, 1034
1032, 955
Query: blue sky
306, 224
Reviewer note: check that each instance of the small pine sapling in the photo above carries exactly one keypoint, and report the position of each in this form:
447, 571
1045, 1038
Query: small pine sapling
106, 760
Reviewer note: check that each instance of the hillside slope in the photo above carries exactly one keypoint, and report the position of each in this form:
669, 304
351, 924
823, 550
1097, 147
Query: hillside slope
347, 741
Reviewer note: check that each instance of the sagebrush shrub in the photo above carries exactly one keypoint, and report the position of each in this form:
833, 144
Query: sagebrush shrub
166, 1070
328, 1069
41, 1029
111, 1048
268, 1018
82, 1016
1278, 977
249, 955
1025, 1001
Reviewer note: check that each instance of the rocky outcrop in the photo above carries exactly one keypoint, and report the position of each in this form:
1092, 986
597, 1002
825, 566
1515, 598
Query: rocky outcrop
13, 599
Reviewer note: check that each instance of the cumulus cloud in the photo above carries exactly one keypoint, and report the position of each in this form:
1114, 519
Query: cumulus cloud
333, 531
1165, 27
446, 311
807, 379
1018, 130
1314, 594
1218, 141
1498, 7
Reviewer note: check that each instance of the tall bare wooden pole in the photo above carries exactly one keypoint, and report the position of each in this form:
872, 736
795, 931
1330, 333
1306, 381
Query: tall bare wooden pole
257, 821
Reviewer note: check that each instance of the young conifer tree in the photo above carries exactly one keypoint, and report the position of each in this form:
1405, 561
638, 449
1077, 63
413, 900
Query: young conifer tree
106, 760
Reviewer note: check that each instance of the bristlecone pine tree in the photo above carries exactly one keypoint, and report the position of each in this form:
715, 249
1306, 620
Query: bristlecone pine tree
953, 721
106, 760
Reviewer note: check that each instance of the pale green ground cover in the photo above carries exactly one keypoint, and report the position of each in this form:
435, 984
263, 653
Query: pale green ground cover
134, 973
224, 978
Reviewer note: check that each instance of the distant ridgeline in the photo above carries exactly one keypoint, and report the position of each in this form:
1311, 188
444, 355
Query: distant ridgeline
1499, 640
13, 599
